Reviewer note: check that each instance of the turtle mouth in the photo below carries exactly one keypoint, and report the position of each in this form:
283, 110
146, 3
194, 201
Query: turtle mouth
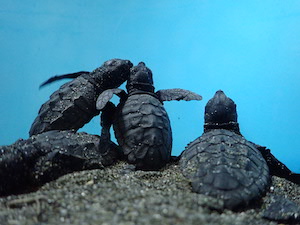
221, 99
220, 94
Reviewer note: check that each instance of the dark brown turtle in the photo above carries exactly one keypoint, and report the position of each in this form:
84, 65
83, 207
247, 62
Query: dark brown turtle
141, 124
223, 164
73, 104
27, 164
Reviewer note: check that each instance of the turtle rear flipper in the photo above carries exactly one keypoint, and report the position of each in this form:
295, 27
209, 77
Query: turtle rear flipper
276, 167
294, 177
282, 210
177, 94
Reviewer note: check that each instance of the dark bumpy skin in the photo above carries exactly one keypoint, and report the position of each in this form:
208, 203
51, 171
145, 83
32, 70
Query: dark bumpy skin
141, 124
73, 104
27, 164
223, 164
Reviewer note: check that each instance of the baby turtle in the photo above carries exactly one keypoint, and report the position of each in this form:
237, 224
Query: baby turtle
73, 104
141, 124
223, 164
27, 164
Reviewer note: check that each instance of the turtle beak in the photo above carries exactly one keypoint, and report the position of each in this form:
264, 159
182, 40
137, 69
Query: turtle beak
219, 97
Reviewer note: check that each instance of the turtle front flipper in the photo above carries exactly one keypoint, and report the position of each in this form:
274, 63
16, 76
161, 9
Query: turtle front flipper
105, 96
276, 167
109, 150
63, 76
177, 94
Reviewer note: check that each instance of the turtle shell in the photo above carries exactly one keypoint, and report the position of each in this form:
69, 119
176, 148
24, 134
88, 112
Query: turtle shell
224, 165
143, 131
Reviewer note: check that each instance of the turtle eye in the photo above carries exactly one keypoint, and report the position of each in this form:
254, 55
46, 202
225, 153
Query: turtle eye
134, 71
109, 63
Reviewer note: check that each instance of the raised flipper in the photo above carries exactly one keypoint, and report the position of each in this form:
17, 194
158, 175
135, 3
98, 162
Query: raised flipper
108, 149
177, 94
276, 167
107, 117
63, 76
105, 96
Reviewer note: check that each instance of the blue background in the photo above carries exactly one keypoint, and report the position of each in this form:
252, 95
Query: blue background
249, 49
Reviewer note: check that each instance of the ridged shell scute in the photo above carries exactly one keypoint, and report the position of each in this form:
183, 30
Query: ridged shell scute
225, 165
142, 128
70, 107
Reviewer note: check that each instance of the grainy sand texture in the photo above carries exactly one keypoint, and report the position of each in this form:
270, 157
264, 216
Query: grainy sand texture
118, 195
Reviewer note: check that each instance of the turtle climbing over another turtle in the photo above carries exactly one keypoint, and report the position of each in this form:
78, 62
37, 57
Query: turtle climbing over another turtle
223, 164
73, 104
141, 124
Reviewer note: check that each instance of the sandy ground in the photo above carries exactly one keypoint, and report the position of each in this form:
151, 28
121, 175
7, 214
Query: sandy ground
117, 195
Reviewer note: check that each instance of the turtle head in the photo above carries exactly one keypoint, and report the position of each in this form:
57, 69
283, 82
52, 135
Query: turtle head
118, 69
220, 113
140, 79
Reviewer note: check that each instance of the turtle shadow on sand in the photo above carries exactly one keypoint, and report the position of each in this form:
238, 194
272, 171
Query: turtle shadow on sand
221, 163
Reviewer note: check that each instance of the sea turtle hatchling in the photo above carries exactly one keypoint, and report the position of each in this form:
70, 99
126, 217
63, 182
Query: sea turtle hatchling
73, 104
141, 124
223, 164
27, 164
